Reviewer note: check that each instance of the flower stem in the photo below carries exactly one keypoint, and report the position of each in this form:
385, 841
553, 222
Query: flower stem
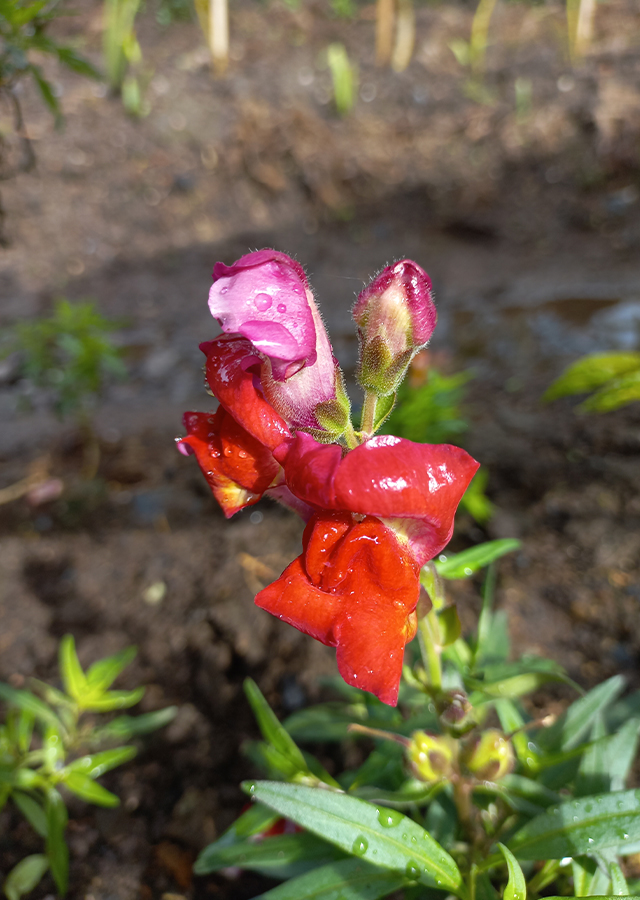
367, 425
350, 436
430, 649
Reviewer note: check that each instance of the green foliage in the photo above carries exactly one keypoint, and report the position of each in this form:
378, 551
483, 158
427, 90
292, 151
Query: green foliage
555, 816
612, 379
344, 77
23, 28
48, 747
68, 354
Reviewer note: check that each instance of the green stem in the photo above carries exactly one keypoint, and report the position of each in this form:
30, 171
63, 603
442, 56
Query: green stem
367, 425
430, 649
350, 436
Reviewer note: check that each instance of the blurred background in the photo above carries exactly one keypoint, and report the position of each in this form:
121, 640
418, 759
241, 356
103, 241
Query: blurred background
497, 145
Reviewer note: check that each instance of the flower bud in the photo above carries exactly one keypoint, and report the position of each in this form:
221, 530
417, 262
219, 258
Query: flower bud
456, 712
395, 316
431, 756
490, 756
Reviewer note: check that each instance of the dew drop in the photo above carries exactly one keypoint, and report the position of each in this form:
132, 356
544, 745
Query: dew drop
412, 869
262, 302
590, 840
282, 308
588, 807
414, 839
360, 846
625, 836
389, 818
242, 454
224, 290
252, 788
228, 451
214, 453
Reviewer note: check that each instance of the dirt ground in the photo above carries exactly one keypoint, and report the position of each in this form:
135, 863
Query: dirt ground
527, 216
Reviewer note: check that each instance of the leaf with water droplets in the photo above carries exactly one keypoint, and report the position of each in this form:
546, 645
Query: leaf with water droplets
348, 879
516, 888
345, 821
580, 827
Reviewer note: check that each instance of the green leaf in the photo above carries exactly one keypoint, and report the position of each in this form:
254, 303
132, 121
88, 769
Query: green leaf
25, 876
620, 753
619, 392
516, 888
512, 721
347, 879
376, 834
581, 827
98, 763
593, 776
602, 897
515, 679
384, 406
575, 723
24, 729
583, 869
73, 678
102, 674
592, 372
449, 625
255, 820
272, 731
462, 565
26, 700
86, 788
619, 884
32, 811
279, 856
112, 700
47, 95
57, 850
125, 727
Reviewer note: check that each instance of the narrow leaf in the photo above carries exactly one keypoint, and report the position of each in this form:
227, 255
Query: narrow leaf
581, 827
256, 820
574, 724
26, 700
619, 884
86, 788
25, 876
272, 731
619, 392
377, 834
583, 869
462, 565
98, 763
125, 727
32, 811
280, 856
73, 678
592, 372
347, 879
516, 888
57, 850
102, 674
112, 700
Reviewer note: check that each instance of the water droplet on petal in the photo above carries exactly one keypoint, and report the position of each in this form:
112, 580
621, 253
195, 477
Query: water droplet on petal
242, 454
223, 290
282, 308
262, 302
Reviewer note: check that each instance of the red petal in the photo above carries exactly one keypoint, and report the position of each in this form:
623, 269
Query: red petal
233, 385
388, 477
354, 588
237, 467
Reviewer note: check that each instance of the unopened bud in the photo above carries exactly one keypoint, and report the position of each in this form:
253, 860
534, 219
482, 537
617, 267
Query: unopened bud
395, 316
431, 756
490, 756
456, 712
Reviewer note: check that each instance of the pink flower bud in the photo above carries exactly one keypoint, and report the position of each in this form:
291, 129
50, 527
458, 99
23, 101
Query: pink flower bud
395, 316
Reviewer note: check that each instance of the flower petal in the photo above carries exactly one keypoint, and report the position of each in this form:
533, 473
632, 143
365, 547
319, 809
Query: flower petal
237, 467
228, 362
388, 477
354, 588
264, 296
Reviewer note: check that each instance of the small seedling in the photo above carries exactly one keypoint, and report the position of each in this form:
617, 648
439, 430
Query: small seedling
50, 744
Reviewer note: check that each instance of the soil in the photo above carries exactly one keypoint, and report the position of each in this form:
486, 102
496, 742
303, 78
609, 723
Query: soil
526, 214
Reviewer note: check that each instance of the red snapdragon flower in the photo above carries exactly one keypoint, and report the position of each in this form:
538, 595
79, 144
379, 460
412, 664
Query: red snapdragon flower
375, 513
382, 510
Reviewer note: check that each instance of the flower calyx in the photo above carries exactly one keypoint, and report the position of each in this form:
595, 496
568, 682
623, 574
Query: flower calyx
395, 316
432, 757
489, 756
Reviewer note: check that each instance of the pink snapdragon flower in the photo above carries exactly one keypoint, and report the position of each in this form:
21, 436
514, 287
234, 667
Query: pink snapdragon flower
265, 298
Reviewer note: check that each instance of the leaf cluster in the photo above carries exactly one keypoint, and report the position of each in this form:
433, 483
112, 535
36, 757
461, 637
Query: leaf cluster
49, 746
612, 379
68, 354
561, 821
23, 30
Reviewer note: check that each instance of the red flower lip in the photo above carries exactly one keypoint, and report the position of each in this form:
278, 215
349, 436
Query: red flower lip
388, 477
354, 588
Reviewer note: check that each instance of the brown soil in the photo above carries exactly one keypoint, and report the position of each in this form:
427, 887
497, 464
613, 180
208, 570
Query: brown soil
527, 219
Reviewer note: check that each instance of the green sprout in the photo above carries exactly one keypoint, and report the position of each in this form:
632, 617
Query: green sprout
612, 379
50, 744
